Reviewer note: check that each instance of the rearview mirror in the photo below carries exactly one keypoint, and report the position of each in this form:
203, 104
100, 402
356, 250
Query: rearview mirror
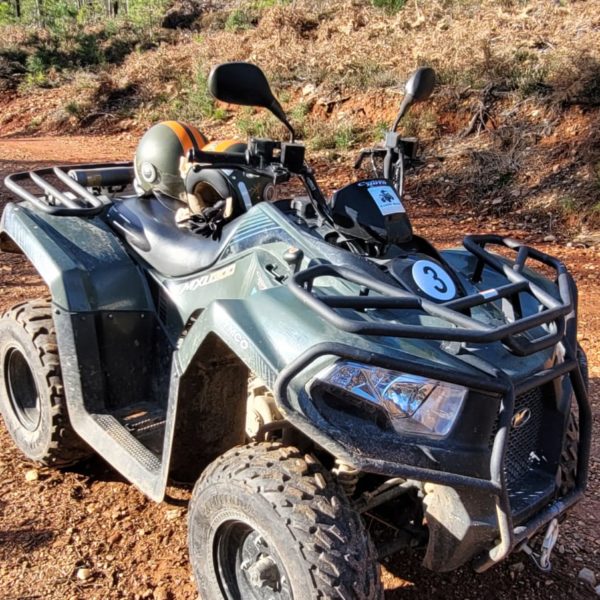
420, 84
245, 84
418, 88
240, 83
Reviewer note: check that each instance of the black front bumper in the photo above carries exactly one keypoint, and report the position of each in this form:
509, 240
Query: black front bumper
485, 485
510, 530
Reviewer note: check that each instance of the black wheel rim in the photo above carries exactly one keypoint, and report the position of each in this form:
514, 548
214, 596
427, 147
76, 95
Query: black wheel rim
22, 391
247, 566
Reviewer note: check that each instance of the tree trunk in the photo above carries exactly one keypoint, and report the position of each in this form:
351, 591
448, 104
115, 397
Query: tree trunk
39, 11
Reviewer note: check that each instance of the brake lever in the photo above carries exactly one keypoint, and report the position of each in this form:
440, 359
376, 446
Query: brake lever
363, 154
372, 152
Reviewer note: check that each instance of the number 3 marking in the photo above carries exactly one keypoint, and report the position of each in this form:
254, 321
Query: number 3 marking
443, 287
433, 280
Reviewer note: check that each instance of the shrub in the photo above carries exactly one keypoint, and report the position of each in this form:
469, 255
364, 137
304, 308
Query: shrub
391, 6
239, 19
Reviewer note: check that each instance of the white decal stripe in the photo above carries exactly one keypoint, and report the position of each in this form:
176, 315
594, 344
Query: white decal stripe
245, 237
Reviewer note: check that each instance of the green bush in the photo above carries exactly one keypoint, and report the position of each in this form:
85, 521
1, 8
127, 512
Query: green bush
389, 5
195, 102
329, 136
251, 123
7, 16
239, 19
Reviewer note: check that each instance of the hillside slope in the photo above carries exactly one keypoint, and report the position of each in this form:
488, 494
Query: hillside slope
511, 130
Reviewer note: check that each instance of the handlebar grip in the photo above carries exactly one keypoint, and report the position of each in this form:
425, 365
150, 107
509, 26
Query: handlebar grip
218, 158
387, 165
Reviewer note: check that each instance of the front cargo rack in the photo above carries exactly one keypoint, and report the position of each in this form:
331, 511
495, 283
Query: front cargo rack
560, 314
77, 181
464, 328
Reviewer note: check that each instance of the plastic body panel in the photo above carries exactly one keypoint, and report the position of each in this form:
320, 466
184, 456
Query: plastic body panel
245, 300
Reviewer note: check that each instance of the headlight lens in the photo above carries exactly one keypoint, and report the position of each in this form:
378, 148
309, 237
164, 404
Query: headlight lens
412, 403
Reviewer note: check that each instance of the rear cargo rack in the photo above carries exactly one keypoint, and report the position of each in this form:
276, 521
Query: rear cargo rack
463, 327
72, 200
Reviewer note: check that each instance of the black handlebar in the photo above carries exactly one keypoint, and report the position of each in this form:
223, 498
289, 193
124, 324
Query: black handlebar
219, 159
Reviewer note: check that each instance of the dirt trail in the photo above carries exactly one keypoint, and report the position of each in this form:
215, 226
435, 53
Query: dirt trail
134, 549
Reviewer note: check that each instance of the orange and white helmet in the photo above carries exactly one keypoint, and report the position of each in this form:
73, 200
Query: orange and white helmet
160, 154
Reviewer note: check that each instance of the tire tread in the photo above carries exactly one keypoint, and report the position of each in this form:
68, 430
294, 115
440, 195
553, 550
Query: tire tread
328, 533
35, 317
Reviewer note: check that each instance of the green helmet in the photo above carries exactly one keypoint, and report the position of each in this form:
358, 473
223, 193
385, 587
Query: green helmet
158, 158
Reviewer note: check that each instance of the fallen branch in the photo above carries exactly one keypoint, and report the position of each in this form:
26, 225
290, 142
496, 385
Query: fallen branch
482, 115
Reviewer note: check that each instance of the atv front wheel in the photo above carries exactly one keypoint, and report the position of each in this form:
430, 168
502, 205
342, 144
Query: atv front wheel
568, 457
32, 399
267, 522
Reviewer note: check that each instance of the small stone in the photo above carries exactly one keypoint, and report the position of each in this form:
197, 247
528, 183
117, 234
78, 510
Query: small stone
517, 567
115, 538
84, 574
161, 593
597, 590
550, 238
309, 89
32, 475
173, 515
587, 576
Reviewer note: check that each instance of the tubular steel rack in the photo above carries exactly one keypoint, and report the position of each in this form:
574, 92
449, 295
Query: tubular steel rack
559, 315
465, 328
76, 200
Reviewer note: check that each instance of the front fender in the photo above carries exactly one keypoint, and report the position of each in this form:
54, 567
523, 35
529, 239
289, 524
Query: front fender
266, 331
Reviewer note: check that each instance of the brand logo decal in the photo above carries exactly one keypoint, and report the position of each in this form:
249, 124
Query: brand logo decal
373, 182
521, 418
149, 172
194, 284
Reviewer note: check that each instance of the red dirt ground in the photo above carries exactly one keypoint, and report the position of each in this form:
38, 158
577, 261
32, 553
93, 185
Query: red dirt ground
90, 518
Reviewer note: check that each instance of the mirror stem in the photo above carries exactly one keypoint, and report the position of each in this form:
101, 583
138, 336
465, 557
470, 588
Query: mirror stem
277, 110
406, 102
291, 130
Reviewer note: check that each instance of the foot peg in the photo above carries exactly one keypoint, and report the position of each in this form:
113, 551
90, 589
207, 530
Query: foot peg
542, 559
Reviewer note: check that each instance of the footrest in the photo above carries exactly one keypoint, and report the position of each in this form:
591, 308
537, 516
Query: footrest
128, 442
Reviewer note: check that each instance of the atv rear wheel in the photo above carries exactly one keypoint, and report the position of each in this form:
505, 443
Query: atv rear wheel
32, 400
268, 522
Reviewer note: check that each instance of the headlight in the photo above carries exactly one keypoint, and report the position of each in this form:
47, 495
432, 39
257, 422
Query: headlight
412, 403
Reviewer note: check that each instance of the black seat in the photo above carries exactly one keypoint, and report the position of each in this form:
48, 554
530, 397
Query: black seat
148, 225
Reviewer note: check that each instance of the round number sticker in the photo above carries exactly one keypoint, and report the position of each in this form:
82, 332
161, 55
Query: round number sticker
433, 280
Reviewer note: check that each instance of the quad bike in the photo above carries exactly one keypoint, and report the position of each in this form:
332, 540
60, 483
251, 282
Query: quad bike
336, 387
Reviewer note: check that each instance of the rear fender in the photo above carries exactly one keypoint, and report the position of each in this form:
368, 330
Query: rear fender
103, 312
80, 259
